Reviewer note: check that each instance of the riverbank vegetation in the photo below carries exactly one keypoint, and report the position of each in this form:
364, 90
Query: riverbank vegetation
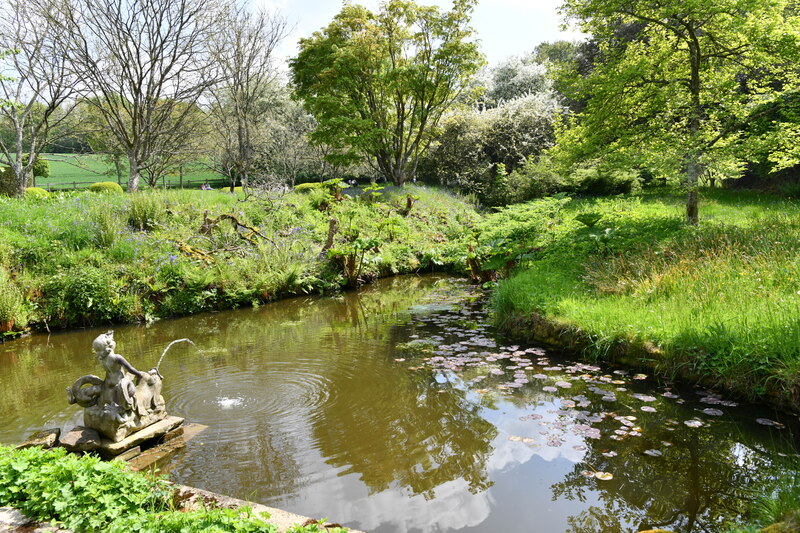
624, 276
87, 259
86, 494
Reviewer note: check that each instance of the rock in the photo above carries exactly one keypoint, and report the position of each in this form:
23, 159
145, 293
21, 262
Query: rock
129, 454
81, 439
11, 519
46, 439
108, 447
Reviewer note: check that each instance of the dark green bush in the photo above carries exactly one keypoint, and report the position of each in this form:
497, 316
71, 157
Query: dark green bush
108, 187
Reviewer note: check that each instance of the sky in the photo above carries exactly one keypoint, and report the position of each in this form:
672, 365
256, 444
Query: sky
504, 27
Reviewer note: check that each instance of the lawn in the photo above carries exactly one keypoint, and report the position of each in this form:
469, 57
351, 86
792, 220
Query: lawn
78, 171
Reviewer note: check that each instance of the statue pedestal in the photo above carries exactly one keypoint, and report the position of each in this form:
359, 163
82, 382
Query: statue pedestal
82, 439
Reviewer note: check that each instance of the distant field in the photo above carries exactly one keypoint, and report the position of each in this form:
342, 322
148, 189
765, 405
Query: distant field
80, 170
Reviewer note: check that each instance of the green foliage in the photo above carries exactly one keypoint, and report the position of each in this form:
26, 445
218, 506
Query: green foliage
589, 219
84, 295
484, 152
378, 83
83, 259
675, 97
307, 187
145, 212
106, 187
87, 494
213, 519
12, 311
40, 168
36, 193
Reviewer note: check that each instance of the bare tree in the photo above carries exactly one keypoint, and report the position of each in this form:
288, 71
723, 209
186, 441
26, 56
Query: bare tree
36, 85
243, 49
144, 64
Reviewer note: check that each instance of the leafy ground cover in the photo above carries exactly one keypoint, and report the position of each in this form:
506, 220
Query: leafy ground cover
80, 259
625, 275
87, 494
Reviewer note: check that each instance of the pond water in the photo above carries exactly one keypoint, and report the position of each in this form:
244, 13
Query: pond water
396, 409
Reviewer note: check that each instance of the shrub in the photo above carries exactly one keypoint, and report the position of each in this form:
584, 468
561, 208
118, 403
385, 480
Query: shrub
11, 304
146, 211
307, 187
37, 193
84, 295
107, 187
86, 494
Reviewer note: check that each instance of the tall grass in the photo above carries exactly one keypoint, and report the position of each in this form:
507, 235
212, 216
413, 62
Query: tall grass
721, 301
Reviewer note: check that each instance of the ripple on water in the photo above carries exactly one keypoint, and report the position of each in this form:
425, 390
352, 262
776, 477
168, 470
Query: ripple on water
240, 401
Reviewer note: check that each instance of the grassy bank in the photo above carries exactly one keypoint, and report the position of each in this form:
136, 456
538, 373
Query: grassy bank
720, 302
86, 494
88, 259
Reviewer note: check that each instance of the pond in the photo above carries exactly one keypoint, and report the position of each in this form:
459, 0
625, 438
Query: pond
397, 409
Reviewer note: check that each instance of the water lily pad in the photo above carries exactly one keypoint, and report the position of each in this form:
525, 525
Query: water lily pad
713, 412
563, 384
587, 473
768, 422
654, 453
694, 423
609, 454
644, 397
549, 389
640, 376
604, 476
648, 409
539, 376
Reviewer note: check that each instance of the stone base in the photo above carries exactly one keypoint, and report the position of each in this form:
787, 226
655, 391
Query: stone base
46, 439
82, 439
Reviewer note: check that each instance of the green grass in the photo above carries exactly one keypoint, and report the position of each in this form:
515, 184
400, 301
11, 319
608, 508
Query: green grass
79, 259
78, 170
719, 302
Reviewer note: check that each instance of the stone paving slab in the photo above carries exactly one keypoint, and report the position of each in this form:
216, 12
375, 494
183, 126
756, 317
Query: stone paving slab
282, 519
13, 521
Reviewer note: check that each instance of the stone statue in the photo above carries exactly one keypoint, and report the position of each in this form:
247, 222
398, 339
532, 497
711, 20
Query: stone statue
126, 401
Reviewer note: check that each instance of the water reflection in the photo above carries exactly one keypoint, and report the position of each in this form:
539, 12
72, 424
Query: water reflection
395, 409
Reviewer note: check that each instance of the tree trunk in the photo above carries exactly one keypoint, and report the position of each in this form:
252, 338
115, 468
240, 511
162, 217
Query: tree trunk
693, 170
133, 178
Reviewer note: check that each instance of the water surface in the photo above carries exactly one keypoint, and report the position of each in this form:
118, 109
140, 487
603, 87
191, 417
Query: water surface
396, 409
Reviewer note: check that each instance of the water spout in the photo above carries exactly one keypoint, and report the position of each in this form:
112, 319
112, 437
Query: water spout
170, 346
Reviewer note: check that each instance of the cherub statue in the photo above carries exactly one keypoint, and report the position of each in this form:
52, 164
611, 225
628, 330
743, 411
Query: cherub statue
125, 401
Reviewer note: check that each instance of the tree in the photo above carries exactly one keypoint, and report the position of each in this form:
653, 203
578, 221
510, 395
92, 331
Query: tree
243, 49
36, 89
145, 65
378, 83
517, 77
672, 97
